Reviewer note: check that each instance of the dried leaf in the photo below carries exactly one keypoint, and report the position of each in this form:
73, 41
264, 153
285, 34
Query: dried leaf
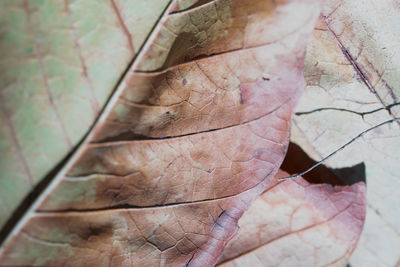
194, 132
352, 72
295, 223
59, 63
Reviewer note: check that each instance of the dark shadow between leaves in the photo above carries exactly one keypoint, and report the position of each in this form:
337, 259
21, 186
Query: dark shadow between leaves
31, 197
297, 160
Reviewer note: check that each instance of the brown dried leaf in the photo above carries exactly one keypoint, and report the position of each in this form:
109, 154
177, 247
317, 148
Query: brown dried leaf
195, 131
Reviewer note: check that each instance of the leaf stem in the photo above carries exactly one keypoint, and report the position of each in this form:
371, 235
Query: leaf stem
336, 151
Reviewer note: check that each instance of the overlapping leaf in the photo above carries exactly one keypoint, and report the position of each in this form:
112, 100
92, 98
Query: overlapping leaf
353, 65
295, 223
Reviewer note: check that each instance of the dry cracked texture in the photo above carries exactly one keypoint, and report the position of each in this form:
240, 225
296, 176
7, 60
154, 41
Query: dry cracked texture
352, 73
295, 223
196, 129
